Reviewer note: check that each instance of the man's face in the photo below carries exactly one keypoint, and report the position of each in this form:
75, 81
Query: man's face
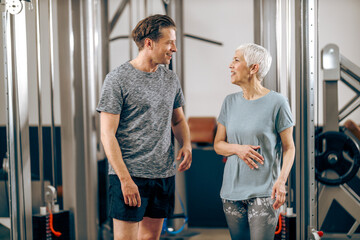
165, 46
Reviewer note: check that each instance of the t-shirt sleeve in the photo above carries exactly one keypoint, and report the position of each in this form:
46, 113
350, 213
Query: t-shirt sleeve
111, 99
179, 97
284, 118
223, 112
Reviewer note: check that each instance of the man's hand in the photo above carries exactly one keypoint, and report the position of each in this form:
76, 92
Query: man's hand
184, 152
279, 191
131, 193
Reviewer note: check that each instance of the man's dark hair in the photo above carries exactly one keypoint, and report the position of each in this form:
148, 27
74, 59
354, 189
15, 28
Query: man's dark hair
150, 27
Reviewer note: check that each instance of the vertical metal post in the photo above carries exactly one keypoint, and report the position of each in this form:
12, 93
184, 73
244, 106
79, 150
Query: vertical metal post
258, 22
288, 23
265, 15
16, 78
278, 43
130, 30
39, 91
71, 142
102, 50
145, 8
52, 83
11, 130
77, 88
306, 75
289, 11
175, 11
89, 103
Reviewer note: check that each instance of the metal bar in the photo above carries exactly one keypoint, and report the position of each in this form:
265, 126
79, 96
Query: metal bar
288, 78
353, 229
349, 108
145, 8
326, 200
18, 125
330, 58
119, 37
352, 83
102, 50
306, 74
342, 110
347, 65
267, 37
39, 87
77, 99
258, 22
68, 42
288, 48
11, 132
24, 171
117, 15
130, 30
165, 5
345, 196
331, 114
84, 112
89, 103
278, 44
52, 83
339, 236
175, 10
203, 39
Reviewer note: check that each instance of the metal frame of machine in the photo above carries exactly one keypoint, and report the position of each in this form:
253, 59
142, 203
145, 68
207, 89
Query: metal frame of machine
338, 68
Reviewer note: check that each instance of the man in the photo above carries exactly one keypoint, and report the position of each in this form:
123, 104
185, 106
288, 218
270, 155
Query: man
141, 106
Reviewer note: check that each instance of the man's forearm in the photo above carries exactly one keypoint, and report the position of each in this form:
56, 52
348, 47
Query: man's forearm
114, 155
182, 133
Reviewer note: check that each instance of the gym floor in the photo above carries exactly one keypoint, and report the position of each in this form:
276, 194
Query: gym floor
211, 234
200, 234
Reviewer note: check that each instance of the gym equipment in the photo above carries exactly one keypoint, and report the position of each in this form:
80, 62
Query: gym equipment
168, 226
288, 226
337, 152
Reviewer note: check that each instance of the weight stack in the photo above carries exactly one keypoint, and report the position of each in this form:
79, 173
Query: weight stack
288, 228
61, 223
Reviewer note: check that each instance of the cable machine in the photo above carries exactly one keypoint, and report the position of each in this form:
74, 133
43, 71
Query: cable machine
337, 151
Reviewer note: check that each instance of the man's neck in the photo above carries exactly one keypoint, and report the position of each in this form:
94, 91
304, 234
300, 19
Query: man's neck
144, 63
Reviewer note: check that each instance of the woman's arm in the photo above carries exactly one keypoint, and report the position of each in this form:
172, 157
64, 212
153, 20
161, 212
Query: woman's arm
247, 153
279, 190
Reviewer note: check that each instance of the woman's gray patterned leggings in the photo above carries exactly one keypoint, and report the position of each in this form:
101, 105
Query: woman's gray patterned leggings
254, 219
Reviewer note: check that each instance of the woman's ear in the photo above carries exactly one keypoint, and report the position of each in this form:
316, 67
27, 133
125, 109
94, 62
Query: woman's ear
254, 68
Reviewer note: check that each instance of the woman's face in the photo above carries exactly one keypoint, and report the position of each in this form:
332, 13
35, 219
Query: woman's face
240, 72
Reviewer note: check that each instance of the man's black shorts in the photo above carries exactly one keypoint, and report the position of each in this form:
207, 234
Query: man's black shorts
157, 199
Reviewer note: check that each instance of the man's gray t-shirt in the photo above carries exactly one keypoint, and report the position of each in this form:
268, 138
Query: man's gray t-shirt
145, 102
254, 122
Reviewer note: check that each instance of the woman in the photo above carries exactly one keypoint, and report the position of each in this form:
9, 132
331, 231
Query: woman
254, 131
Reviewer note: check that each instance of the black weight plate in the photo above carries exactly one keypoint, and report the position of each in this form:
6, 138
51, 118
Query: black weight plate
337, 143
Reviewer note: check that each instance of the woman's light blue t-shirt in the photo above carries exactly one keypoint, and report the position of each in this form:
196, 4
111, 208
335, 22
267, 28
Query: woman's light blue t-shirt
254, 122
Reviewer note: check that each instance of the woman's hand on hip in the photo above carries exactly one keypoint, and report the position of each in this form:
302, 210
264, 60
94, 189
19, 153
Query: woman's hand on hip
279, 192
249, 155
